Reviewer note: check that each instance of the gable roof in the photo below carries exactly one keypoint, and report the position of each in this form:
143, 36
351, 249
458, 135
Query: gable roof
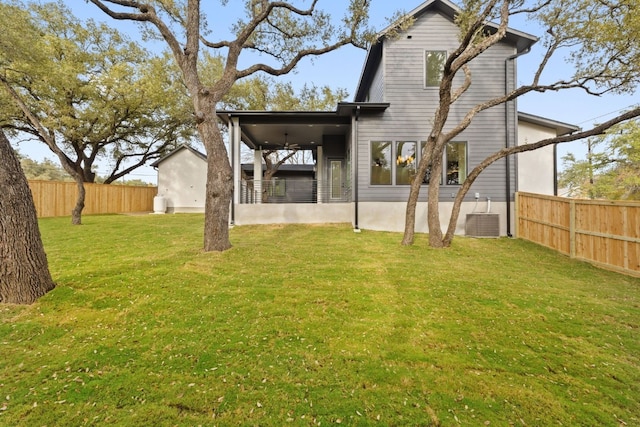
176, 151
521, 40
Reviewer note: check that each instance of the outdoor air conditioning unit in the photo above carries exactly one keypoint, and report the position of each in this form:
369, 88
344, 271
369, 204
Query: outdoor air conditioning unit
483, 225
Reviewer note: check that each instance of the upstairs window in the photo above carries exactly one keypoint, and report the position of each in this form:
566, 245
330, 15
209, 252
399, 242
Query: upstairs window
434, 65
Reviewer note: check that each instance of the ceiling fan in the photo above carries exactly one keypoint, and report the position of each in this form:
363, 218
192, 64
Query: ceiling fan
288, 146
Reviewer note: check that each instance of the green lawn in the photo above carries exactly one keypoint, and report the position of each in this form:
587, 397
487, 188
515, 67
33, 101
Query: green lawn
315, 325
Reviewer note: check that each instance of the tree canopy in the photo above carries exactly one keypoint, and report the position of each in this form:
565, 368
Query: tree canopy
279, 33
611, 169
98, 95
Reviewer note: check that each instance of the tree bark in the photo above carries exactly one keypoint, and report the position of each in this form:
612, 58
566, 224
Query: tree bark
76, 213
414, 192
433, 203
24, 271
219, 191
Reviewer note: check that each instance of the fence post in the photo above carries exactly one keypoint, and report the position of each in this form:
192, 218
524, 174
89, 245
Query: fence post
627, 232
572, 228
517, 209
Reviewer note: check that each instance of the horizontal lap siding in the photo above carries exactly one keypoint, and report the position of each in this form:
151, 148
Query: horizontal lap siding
412, 108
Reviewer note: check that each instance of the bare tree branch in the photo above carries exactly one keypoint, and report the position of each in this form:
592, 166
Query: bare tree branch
147, 14
507, 151
292, 63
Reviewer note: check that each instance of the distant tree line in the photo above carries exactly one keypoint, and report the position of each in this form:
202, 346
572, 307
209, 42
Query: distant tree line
48, 170
611, 169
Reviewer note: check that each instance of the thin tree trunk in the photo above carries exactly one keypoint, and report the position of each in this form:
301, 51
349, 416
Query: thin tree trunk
414, 193
455, 211
410, 213
24, 271
266, 182
412, 202
433, 204
76, 213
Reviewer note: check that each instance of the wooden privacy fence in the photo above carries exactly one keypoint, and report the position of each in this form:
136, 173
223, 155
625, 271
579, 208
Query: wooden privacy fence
605, 233
54, 198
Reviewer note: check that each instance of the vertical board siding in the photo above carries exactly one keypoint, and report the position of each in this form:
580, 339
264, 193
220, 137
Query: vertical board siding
605, 233
58, 198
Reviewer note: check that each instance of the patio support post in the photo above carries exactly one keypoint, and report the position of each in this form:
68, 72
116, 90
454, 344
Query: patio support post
320, 175
235, 153
257, 176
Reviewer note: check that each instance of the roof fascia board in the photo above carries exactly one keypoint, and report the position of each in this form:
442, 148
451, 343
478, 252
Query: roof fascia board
561, 127
176, 151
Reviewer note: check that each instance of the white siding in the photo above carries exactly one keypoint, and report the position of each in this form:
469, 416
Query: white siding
182, 180
536, 168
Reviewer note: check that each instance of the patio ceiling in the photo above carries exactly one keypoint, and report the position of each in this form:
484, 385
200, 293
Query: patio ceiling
298, 129
280, 130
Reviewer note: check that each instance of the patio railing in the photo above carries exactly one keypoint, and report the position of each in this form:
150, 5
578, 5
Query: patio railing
293, 190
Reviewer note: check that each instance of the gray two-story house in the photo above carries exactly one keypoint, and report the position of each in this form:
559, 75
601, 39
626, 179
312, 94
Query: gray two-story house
365, 153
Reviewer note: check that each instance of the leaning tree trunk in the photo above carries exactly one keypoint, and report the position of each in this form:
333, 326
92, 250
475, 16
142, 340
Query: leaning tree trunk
76, 213
414, 192
24, 271
433, 203
412, 202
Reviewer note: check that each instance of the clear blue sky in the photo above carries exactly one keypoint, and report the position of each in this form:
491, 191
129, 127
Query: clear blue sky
341, 69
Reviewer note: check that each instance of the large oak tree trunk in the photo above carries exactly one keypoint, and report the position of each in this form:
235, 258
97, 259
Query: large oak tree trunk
219, 192
24, 271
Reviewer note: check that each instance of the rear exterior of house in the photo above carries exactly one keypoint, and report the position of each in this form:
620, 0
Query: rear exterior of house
401, 73
365, 153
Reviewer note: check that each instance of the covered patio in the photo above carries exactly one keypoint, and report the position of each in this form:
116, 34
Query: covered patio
321, 189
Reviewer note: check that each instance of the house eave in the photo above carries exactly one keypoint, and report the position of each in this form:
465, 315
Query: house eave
560, 127
176, 151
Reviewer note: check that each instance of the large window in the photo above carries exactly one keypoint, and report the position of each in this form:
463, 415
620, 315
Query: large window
405, 162
456, 161
397, 163
434, 65
381, 163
